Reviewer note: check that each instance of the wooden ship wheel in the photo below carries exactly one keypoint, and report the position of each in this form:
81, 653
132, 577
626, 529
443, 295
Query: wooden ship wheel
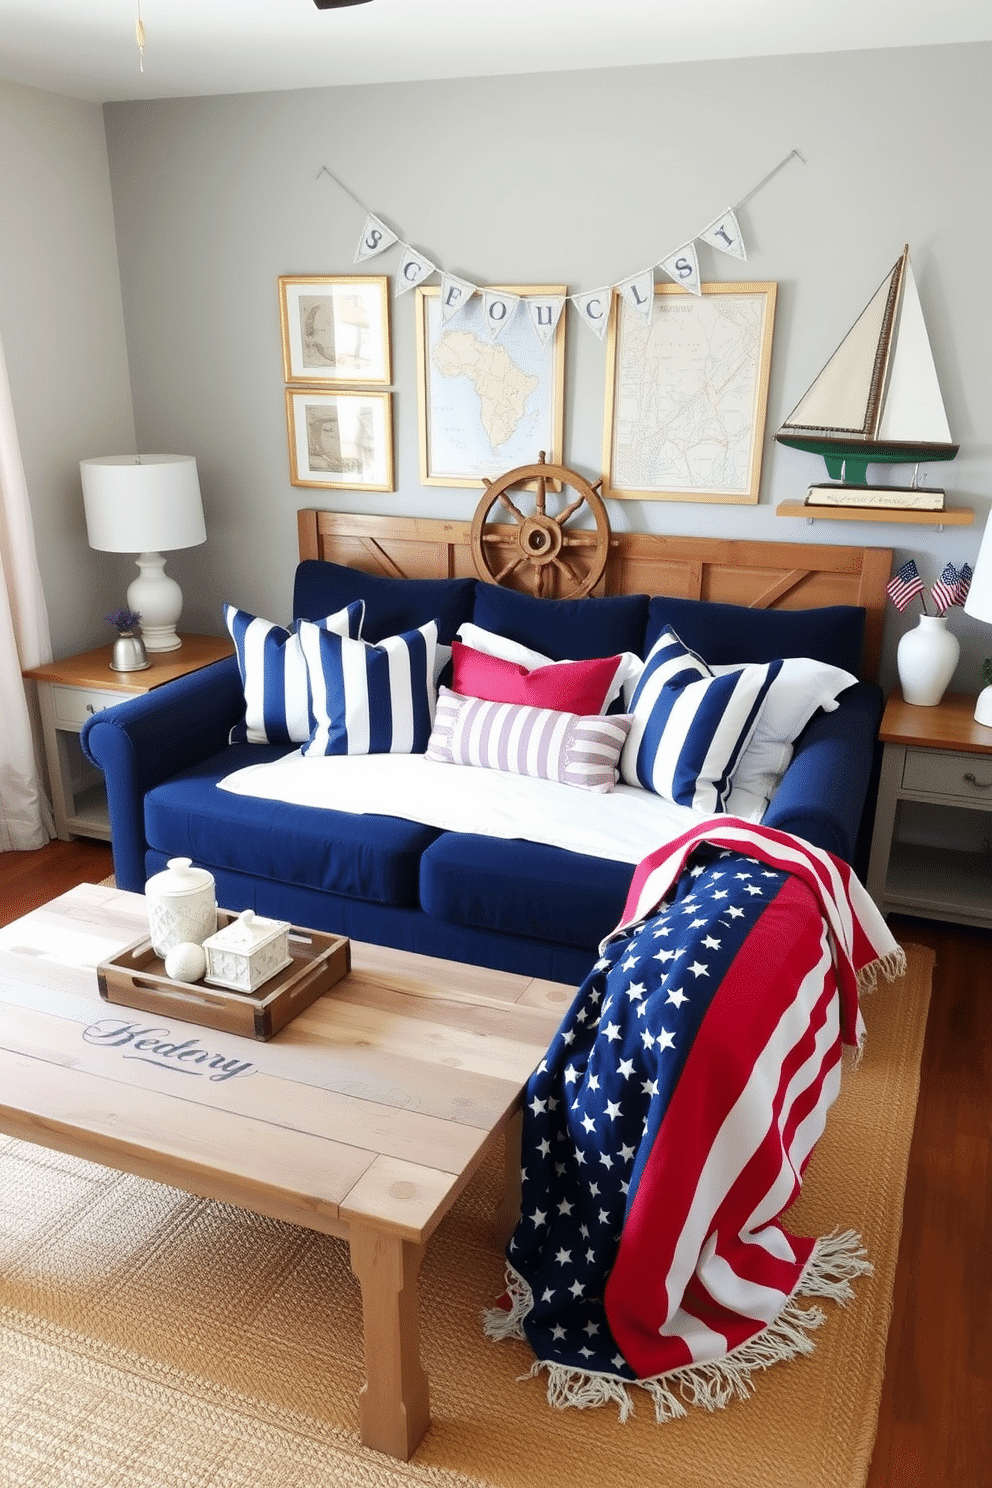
536, 552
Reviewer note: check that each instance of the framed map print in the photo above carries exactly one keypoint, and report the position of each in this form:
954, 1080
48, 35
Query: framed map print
335, 329
488, 402
687, 394
344, 440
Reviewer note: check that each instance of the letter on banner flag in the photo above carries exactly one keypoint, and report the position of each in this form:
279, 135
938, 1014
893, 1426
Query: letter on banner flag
545, 315
638, 291
376, 238
683, 267
455, 295
724, 233
498, 309
413, 270
594, 308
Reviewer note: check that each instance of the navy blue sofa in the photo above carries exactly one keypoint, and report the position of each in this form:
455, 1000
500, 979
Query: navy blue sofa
511, 904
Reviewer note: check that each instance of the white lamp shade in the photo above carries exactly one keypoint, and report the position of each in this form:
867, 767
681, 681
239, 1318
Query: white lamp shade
142, 503
979, 600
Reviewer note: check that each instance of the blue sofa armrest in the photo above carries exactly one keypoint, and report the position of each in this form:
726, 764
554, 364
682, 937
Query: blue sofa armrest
149, 739
822, 794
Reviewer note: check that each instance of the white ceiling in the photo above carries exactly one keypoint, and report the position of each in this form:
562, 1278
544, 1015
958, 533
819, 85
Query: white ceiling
87, 48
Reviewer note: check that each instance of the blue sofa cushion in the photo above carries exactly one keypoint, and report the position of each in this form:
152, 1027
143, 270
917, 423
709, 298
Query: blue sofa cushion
724, 633
374, 858
391, 605
523, 888
565, 629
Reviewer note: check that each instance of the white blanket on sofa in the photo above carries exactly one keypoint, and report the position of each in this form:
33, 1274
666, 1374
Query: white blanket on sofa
623, 825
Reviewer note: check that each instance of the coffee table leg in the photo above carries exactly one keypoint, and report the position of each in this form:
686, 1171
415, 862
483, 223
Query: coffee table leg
394, 1405
508, 1211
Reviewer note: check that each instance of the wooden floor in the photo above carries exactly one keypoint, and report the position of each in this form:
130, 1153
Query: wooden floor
935, 1423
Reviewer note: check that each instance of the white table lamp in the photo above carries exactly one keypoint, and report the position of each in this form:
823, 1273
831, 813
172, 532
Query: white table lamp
979, 604
146, 504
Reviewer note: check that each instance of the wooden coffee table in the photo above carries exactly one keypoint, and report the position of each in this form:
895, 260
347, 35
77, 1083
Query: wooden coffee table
365, 1117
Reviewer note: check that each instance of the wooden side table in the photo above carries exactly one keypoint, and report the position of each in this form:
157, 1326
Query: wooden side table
72, 690
937, 757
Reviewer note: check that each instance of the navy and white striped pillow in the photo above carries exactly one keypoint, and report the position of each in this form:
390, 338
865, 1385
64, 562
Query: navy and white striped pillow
525, 740
370, 699
274, 674
690, 728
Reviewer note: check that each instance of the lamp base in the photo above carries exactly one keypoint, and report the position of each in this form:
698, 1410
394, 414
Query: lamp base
158, 599
983, 707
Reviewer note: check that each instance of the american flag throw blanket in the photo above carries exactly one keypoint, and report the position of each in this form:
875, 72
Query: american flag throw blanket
671, 1121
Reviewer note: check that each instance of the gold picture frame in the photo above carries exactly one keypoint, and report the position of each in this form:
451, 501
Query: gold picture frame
342, 440
687, 394
487, 404
335, 329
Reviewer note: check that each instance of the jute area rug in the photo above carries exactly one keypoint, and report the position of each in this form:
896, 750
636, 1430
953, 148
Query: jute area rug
153, 1340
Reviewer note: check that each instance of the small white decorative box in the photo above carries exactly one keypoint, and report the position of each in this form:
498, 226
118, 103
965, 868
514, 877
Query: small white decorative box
247, 952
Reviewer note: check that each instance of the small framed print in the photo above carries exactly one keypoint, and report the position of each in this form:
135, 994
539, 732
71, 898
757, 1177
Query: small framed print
342, 440
335, 329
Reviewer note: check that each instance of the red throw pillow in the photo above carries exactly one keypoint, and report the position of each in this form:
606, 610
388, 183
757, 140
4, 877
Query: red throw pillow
566, 686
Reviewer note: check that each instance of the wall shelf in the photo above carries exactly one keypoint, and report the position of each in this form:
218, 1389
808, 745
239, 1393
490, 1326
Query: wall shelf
951, 516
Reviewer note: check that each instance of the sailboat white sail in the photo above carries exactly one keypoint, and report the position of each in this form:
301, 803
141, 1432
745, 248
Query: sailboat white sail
878, 399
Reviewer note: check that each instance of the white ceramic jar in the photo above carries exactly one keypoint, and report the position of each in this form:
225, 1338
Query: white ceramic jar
247, 952
182, 905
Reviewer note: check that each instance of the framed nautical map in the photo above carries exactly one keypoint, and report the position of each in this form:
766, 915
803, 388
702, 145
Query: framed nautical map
687, 394
344, 440
335, 329
487, 403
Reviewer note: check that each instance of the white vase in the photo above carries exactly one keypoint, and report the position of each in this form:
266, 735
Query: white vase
925, 660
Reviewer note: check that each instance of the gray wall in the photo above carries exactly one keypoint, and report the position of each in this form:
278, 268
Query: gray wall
63, 335
578, 178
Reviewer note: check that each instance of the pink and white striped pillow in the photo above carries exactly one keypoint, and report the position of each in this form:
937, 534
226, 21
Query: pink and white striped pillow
568, 748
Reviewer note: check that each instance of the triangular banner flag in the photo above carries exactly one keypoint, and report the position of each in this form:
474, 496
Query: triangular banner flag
545, 315
594, 308
683, 267
455, 294
376, 238
724, 233
638, 291
414, 269
498, 310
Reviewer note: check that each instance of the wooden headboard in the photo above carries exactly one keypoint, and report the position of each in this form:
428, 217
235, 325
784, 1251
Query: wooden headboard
764, 575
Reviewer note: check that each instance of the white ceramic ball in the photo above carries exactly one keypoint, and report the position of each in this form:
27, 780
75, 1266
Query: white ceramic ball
186, 962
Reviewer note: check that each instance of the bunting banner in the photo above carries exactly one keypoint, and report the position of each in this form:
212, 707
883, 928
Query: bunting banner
376, 238
594, 307
455, 294
638, 291
683, 267
414, 269
545, 315
498, 310
723, 233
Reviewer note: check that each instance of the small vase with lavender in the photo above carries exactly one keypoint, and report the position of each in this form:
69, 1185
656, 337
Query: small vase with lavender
128, 653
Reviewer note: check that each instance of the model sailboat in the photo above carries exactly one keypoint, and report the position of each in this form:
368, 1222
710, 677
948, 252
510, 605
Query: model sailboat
877, 401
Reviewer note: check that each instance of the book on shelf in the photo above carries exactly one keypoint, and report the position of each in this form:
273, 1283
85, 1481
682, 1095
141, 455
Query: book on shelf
892, 498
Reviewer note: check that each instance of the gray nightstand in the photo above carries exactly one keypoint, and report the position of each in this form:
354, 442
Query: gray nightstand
934, 757
70, 692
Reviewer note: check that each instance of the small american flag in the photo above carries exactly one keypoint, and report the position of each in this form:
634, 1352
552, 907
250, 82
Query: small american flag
945, 592
906, 584
964, 584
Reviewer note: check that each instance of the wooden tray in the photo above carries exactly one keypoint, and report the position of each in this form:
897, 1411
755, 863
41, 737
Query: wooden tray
136, 977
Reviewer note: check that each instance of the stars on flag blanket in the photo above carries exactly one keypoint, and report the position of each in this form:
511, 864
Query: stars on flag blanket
597, 1100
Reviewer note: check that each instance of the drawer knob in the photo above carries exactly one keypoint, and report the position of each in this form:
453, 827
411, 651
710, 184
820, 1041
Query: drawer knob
90, 708
981, 784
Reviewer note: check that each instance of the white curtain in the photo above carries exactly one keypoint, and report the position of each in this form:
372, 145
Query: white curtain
25, 814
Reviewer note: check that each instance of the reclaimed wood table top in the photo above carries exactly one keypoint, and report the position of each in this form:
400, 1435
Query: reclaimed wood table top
375, 1105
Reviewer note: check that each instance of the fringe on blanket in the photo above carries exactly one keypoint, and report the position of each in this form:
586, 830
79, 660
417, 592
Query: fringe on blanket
836, 1259
891, 967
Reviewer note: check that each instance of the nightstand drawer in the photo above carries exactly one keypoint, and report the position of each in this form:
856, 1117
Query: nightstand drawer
934, 772
73, 705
